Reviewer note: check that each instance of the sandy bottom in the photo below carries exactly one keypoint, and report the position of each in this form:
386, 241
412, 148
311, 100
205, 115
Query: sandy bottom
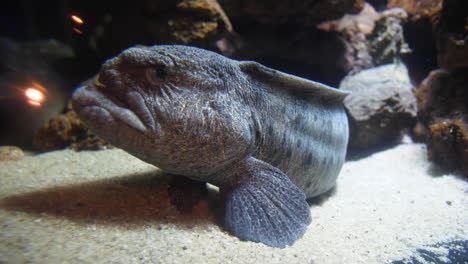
108, 207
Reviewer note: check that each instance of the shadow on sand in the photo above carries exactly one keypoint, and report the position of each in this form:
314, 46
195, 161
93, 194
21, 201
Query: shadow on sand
127, 200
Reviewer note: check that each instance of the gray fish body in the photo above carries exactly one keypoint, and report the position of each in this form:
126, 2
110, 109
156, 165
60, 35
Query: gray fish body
304, 133
269, 140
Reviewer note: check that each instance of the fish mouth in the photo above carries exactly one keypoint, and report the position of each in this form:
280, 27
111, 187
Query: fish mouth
104, 112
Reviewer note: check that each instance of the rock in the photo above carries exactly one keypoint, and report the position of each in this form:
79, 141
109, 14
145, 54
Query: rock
380, 107
382, 104
10, 153
443, 115
201, 19
363, 22
451, 31
371, 39
448, 145
283, 35
422, 56
441, 96
302, 12
379, 5
353, 31
417, 9
58, 132
66, 130
386, 43
126, 23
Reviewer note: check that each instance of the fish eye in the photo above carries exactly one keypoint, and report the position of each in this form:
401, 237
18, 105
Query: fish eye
156, 74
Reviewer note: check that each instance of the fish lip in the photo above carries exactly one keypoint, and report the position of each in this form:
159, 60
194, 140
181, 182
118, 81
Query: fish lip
91, 96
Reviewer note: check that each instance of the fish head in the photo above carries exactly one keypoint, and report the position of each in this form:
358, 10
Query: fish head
169, 106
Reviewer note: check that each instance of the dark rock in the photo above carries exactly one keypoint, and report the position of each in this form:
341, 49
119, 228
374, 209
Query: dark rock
126, 23
195, 20
379, 5
423, 56
302, 12
305, 52
371, 39
283, 35
443, 95
380, 106
451, 30
66, 130
353, 31
443, 116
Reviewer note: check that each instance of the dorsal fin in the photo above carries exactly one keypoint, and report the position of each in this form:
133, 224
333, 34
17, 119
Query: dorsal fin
289, 81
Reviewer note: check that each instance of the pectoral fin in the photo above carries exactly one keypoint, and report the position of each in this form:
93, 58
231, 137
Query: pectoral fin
263, 205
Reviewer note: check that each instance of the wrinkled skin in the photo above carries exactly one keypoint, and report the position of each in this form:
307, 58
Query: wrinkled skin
268, 139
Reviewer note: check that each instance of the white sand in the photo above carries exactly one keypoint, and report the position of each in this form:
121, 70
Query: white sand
108, 207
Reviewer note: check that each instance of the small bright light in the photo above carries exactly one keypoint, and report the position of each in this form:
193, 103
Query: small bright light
31, 102
77, 19
77, 31
34, 96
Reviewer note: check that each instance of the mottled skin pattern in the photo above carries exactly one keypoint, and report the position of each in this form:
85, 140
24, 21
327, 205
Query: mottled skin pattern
269, 140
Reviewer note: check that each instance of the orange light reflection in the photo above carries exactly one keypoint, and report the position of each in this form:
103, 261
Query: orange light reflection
35, 95
34, 103
77, 19
77, 31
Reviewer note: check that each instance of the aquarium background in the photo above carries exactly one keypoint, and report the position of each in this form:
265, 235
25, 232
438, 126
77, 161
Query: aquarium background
53, 46
406, 63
